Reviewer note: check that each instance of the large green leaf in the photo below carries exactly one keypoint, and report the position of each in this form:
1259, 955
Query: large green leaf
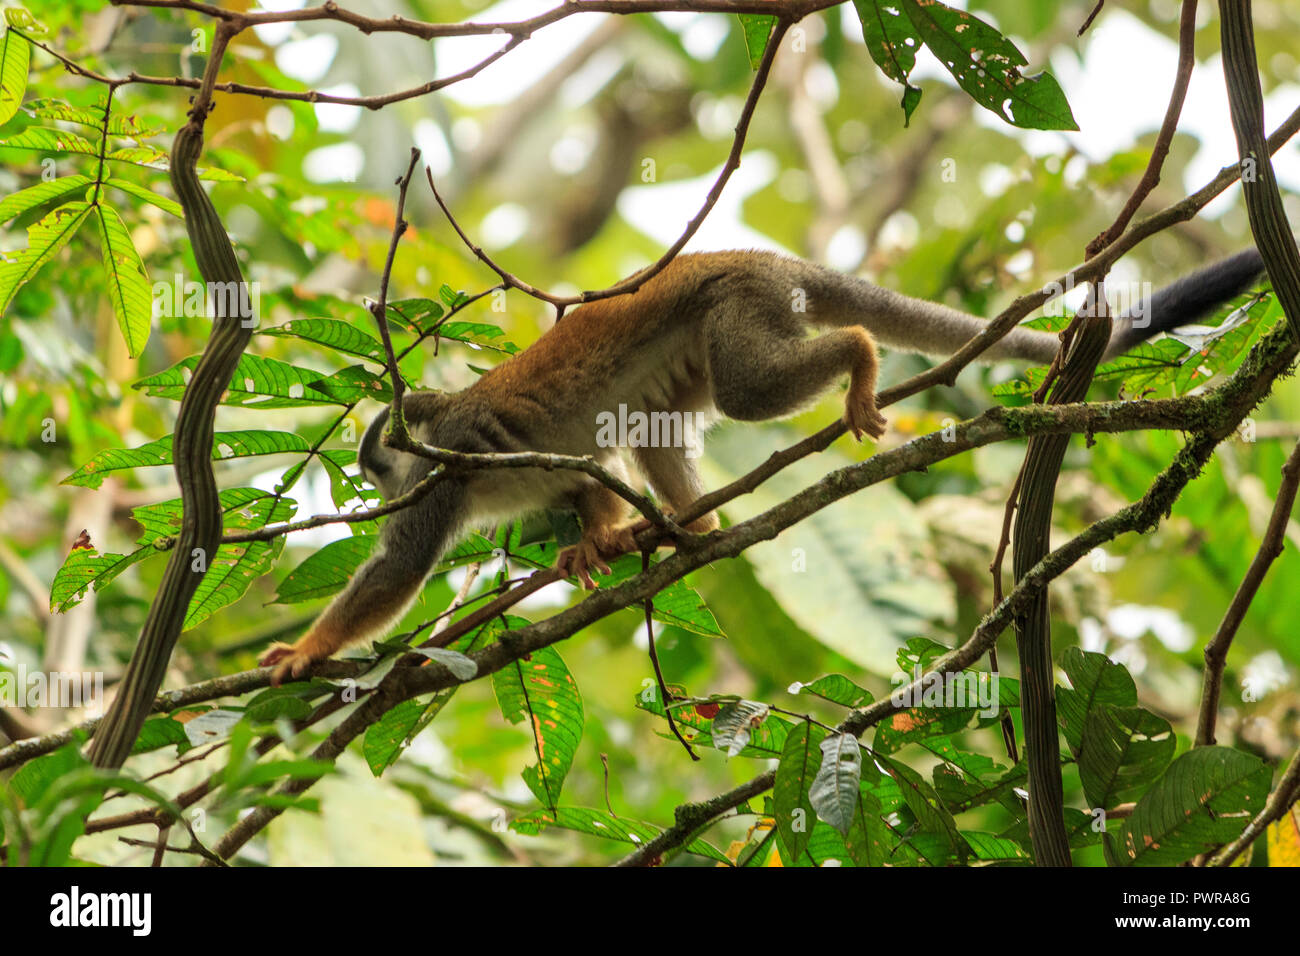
541, 691
48, 191
44, 239
148, 195
241, 508
837, 689
46, 139
332, 333
234, 568
225, 445
327, 571
1205, 798
1124, 750
861, 576
793, 810
128, 284
1097, 680
388, 738
266, 383
15, 57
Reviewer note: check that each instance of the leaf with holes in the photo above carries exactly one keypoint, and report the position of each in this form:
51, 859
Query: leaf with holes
1096, 680
987, 66
892, 42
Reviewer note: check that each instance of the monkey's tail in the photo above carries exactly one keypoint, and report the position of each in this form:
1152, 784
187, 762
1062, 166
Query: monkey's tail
915, 325
1192, 297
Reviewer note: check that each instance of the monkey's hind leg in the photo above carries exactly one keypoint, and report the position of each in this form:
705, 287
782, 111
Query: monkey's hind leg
674, 478
763, 367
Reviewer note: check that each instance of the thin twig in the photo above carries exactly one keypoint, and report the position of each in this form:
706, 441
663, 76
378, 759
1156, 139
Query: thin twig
1270, 548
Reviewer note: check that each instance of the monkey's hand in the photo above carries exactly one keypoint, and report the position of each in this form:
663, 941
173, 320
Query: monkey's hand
290, 660
862, 416
598, 545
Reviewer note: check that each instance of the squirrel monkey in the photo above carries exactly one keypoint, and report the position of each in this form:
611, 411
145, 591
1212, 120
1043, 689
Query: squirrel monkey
713, 334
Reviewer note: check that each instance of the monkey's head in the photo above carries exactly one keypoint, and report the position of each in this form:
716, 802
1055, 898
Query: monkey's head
395, 472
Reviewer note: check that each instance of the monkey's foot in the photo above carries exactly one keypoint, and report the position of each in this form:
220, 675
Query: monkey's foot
594, 551
289, 660
862, 416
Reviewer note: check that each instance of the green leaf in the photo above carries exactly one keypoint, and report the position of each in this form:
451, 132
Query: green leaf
350, 385
225, 445
1096, 680
46, 139
602, 824
931, 814
327, 571
44, 239
388, 737
766, 741
159, 732
128, 284
43, 192
334, 334
1205, 798
234, 568
758, 30
677, 604
15, 57
415, 315
793, 810
1124, 750
987, 66
919, 723
478, 335
257, 383
541, 690
84, 568
994, 849
892, 42
148, 195
119, 124
837, 689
